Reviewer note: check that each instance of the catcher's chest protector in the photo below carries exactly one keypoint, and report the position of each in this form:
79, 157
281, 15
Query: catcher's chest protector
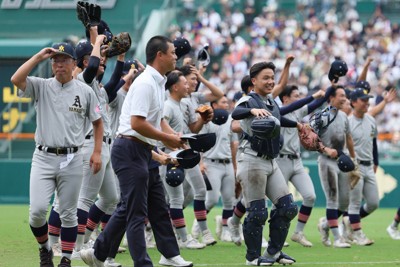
269, 147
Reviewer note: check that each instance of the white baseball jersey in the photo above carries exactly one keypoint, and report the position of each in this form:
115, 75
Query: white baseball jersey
145, 99
363, 132
102, 96
61, 110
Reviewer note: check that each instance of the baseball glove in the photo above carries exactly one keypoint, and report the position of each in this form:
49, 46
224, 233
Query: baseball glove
120, 44
205, 111
354, 176
309, 139
89, 14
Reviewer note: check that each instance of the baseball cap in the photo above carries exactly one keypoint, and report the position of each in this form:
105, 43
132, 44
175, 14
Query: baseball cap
128, 65
83, 48
203, 56
363, 84
182, 47
338, 69
238, 95
359, 93
64, 49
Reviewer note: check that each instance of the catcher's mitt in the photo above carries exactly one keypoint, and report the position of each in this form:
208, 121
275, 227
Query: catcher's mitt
204, 111
89, 14
354, 177
309, 139
120, 44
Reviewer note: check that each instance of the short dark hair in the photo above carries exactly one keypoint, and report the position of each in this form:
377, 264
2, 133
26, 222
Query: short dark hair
186, 69
258, 67
246, 83
287, 91
173, 78
155, 44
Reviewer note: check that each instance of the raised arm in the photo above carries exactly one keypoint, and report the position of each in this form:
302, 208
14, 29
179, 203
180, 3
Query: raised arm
19, 77
215, 93
363, 75
278, 88
389, 97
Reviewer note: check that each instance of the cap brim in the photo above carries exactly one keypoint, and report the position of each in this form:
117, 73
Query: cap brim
366, 96
62, 53
174, 154
188, 136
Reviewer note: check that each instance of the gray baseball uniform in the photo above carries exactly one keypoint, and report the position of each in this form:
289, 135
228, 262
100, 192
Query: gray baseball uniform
219, 167
334, 182
363, 132
114, 111
104, 182
290, 163
61, 111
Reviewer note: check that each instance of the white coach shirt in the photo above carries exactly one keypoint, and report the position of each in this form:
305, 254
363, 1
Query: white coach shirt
145, 98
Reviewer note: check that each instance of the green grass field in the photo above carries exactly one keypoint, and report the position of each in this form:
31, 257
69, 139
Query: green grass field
18, 247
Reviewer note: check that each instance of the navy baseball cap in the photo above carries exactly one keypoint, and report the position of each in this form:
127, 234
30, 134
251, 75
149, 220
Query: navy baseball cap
64, 49
238, 95
182, 47
363, 84
359, 93
83, 48
128, 65
338, 69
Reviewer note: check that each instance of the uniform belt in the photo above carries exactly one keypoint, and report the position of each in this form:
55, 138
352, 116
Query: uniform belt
264, 156
289, 156
365, 162
222, 161
58, 150
137, 140
106, 140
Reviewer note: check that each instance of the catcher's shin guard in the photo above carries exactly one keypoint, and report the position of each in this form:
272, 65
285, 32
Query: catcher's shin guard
253, 227
279, 223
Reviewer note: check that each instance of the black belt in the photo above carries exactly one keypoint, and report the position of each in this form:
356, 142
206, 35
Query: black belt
223, 161
106, 140
137, 140
289, 156
58, 150
365, 162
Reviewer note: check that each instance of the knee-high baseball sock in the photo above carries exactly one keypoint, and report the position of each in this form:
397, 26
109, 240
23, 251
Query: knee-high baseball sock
355, 221
41, 235
332, 217
54, 227
200, 213
82, 220
68, 238
396, 219
225, 216
94, 216
179, 223
363, 212
302, 218
238, 213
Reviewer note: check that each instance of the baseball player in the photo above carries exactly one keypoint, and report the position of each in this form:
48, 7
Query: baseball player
141, 125
334, 182
104, 182
192, 102
219, 168
289, 160
363, 130
62, 106
392, 229
259, 174
173, 115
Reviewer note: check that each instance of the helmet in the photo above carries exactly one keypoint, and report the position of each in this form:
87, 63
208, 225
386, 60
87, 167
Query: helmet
187, 158
202, 142
128, 65
82, 49
345, 163
321, 119
220, 116
266, 127
182, 47
175, 176
338, 69
203, 56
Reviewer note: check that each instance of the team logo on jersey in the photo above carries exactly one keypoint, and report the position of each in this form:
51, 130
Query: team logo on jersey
77, 106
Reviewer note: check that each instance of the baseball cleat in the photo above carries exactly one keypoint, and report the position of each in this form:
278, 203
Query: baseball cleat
235, 232
176, 261
225, 235
190, 243
261, 261
359, 238
340, 243
65, 262
393, 232
301, 239
208, 239
46, 257
218, 226
88, 257
110, 262
323, 229
284, 259
196, 232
